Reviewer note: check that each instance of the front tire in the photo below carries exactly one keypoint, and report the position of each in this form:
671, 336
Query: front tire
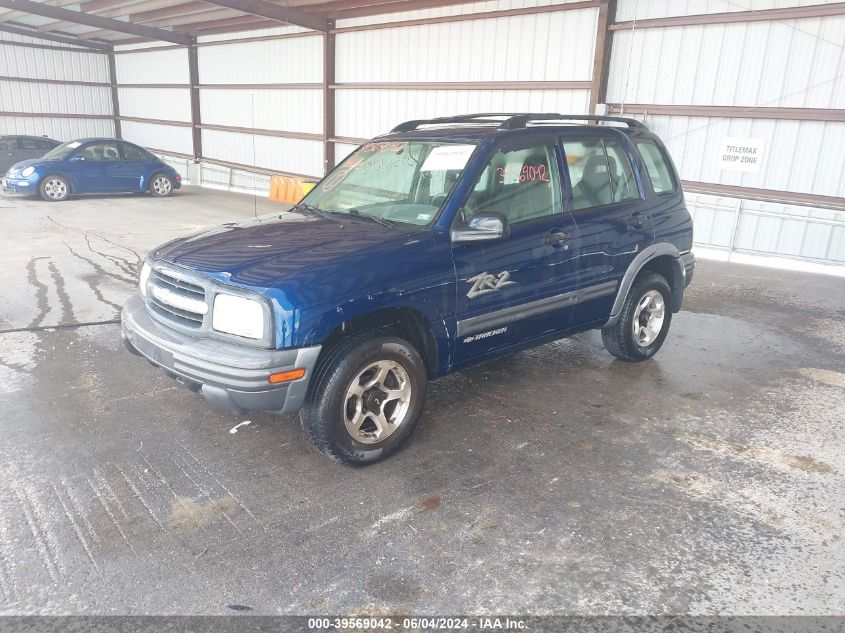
161, 186
365, 399
644, 321
54, 188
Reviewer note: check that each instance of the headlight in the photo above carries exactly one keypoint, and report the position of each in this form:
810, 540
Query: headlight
238, 315
28, 171
142, 280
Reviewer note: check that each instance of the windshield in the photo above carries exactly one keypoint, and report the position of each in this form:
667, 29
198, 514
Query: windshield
57, 153
393, 181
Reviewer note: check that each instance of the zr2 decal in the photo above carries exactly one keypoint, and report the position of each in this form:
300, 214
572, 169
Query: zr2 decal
485, 283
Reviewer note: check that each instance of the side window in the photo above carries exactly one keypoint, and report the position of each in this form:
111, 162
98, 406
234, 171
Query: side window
655, 164
46, 145
621, 174
600, 173
29, 143
100, 152
8, 144
131, 152
588, 173
520, 184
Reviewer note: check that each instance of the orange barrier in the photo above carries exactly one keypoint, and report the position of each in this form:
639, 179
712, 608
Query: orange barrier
287, 189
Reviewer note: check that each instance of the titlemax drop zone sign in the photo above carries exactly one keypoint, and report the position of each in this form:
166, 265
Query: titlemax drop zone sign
741, 154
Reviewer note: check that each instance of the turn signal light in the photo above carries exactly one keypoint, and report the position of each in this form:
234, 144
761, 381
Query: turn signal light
286, 376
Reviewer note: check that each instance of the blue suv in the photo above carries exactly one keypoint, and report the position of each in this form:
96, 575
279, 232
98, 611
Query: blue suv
442, 244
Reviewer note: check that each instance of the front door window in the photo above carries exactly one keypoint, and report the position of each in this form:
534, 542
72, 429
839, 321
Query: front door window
519, 184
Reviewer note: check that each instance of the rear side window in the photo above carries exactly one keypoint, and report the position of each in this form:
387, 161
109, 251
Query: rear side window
8, 144
600, 173
132, 153
656, 166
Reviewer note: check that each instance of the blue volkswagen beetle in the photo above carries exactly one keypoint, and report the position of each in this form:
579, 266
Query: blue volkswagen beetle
94, 165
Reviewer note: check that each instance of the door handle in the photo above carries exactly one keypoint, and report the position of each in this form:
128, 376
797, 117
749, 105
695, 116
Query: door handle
556, 238
636, 220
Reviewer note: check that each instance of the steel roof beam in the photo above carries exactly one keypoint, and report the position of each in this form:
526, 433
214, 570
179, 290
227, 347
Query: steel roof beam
272, 11
62, 39
96, 21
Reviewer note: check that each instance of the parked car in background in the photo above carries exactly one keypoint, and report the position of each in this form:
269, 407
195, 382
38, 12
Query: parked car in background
15, 148
94, 165
445, 243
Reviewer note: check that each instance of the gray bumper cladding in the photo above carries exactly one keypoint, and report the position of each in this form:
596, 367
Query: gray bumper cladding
229, 376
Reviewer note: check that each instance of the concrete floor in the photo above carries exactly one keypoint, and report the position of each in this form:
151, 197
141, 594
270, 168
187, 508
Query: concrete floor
708, 480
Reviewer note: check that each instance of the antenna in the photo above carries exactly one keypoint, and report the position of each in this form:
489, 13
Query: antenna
254, 167
630, 55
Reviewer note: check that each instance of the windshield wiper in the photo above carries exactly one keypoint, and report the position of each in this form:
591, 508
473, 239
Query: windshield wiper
368, 216
310, 208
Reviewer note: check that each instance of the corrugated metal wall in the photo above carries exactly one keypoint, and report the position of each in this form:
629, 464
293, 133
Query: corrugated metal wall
273, 65
162, 92
517, 48
22, 98
641, 9
786, 64
248, 84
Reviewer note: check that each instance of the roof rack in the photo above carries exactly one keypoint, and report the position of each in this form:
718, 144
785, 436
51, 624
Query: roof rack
514, 121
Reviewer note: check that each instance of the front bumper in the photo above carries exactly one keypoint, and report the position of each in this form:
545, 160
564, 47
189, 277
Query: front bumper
18, 185
229, 376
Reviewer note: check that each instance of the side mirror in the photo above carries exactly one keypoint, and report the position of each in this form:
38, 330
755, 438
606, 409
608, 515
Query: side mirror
482, 228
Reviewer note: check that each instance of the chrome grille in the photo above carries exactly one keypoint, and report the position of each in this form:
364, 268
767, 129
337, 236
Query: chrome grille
166, 302
179, 286
183, 317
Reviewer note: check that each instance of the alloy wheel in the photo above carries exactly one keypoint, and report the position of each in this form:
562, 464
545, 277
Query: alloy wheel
55, 189
648, 318
162, 186
377, 402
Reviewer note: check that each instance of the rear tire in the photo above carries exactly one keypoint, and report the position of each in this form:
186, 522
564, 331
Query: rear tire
161, 186
644, 321
365, 398
54, 188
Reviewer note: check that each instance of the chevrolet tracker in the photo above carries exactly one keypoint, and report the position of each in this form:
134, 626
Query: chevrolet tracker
442, 244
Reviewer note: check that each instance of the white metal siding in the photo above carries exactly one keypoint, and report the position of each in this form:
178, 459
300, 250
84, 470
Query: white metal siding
367, 113
61, 129
766, 228
293, 60
25, 97
545, 47
54, 98
39, 63
555, 46
288, 155
291, 110
641, 9
168, 66
164, 137
798, 64
799, 156
169, 104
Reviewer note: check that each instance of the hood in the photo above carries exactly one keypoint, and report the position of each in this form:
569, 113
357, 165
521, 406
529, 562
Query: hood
262, 252
32, 162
